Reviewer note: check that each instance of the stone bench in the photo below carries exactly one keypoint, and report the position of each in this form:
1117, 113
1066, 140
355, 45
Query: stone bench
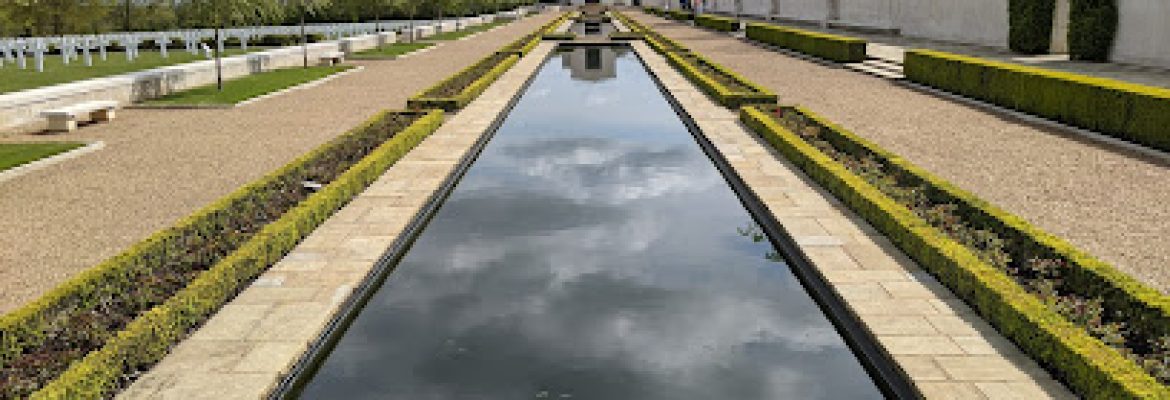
332, 58
64, 119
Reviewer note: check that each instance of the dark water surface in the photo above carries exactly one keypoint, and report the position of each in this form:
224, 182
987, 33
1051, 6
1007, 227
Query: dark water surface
592, 252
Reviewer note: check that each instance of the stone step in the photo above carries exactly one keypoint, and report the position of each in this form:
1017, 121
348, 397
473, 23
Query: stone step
879, 68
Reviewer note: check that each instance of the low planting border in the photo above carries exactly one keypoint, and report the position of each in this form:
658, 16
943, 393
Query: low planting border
1136, 113
679, 15
722, 24
837, 48
701, 70
149, 336
1088, 365
427, 99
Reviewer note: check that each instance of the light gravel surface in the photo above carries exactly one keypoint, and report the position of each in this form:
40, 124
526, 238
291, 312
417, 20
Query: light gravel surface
161, 165
1109, 203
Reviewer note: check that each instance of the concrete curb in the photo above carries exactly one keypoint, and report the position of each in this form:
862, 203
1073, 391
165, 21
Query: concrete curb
15, 172
305, 85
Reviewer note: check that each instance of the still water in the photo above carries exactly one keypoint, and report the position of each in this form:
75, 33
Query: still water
591, 252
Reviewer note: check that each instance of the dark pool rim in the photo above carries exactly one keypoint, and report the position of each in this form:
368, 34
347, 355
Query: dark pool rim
890, 379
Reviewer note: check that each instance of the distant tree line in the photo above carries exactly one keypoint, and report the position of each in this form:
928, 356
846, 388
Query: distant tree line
59, 17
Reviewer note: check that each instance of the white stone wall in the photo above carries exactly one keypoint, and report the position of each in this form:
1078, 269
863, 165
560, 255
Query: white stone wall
24, 107
983, 22
1143, 32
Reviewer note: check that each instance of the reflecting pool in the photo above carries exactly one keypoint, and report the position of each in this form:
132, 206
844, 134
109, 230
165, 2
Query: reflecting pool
591, 252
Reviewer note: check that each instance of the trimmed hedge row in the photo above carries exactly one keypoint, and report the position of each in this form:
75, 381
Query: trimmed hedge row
722, 24
525, 44
701, 70
626, 36
1085, 363
1140, 114
470, 81
148, 338
559, 36
841, 49
1030, 25
680, 15
473, 80
653, 11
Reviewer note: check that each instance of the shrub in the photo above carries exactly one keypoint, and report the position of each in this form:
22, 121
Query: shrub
124, 314
1030, 25
1136, 113
559, 36
1092, 26
680, 15
831, 47
456, 91
722, 24
889, 192
726, 87
626, 36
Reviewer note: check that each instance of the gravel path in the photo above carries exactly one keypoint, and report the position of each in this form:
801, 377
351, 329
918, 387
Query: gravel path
1111, 204
161, 165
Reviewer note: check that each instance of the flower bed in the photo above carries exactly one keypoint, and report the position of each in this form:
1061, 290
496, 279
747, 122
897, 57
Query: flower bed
679, 15
456, 91
722, 24
726, 87
626, 36
841, 49
559, 36
94, 334
1098, 330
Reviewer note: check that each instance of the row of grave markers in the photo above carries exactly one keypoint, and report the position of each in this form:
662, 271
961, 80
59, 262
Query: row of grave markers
82, 47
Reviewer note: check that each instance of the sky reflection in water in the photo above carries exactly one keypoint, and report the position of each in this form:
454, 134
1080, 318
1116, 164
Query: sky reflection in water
591, 253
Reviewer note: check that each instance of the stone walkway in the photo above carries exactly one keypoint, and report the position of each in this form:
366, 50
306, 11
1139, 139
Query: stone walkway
1108, 203
255, 339
161, 165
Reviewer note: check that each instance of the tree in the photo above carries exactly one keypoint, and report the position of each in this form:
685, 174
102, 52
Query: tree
303, 8
220, 14
410, 9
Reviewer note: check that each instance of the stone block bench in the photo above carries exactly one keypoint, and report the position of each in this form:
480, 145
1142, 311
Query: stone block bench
64, 119
332, 58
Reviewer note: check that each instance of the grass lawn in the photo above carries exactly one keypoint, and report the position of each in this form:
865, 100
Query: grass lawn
16, 154
390, 50
12, 78
247, 87
466, 32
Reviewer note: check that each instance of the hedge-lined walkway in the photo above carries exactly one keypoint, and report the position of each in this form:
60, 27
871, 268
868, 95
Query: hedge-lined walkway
161, 165
1110, 204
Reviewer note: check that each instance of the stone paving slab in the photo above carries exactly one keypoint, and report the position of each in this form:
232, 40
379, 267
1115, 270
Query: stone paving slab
946, 349
244, 350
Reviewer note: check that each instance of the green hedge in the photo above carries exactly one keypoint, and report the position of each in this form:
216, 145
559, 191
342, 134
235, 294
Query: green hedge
687, 64
1089, 366
149, 337
680, 15
653, 11
831, 47
1091, 28
626, 36
559, 36
428, 99
1030, 25
722, 24
1136, 113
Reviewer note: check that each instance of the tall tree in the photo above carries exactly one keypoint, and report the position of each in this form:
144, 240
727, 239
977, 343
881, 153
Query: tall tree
302, 9
220, 14
409, 8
